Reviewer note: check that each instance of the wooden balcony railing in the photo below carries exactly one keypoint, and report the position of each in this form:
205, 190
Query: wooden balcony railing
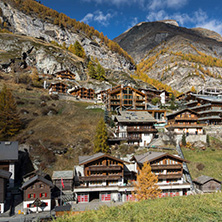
105, 168
142, 129
185, 125
170, 176
186, 118
100, 178
166, 167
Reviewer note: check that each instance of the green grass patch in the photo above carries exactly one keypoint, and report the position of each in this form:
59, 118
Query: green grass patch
210, 158
177, 209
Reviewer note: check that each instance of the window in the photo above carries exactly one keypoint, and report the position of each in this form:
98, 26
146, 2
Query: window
32, 195
41, 186
32, 187
43, 195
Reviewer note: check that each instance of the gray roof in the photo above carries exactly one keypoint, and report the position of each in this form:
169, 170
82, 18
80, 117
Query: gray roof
210, 98
8, 151
134, 116
66, 207
5, 174
36, 178
83, 159
181, 111
147, 157
65, 174
209, 117
201, 106
204, 179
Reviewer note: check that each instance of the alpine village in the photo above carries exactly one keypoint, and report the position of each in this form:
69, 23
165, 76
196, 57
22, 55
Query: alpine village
93, 129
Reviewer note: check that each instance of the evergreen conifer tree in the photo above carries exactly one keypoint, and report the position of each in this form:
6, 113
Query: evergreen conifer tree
100, 142
146, 186
10, 123
184, 143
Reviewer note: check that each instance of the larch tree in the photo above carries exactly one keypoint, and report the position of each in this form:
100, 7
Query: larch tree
100, 142
146, 186
100, 72
10, 123
79, 50
91, 70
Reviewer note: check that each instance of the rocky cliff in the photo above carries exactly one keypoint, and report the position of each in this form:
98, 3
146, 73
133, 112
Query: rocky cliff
21, 23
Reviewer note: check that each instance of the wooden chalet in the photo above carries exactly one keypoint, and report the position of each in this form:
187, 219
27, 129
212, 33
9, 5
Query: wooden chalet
207, 184
100, 176
37, 194
126, 98
4, 178
8, 158
169, 169
65, 74
183, 96
134, 127
63, 179
211, 91
83, 93
151, 93
58, 87
184, 121
209, 109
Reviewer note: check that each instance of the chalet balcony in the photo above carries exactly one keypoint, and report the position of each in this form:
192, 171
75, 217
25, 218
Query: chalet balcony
186, 118
166, 167
185, 125
100, 178
170, 176
105, 168
142, 130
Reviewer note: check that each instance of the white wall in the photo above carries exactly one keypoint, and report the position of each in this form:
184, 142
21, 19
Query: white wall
2, 208
190, 131
12, 178
146, 138
34, 209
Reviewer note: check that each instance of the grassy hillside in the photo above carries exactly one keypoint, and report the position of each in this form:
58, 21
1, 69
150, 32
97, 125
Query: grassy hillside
57, 131
178, 209
204, 162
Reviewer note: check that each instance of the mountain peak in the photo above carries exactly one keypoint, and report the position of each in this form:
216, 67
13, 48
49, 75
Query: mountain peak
170, 21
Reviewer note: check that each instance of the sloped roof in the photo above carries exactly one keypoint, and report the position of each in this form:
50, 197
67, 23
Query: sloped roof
65, 174
120, 88
204, 179
8, 151
181, 111
87, 159
135, 116
37, 178
5, 174
151, 156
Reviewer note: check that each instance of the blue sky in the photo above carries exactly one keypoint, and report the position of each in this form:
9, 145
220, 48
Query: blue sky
113, 17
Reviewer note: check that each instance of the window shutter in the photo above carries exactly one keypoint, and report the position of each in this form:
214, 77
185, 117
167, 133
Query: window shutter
40, 195
45, 194
34, 195
27, 205
28, 195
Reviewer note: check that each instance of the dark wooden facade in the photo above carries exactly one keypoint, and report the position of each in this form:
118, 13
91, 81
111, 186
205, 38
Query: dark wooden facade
38, 189
103, 169
65, 74
185, 121
58, 88
83, 93
125, 98
167, 167
207, 184
2, 190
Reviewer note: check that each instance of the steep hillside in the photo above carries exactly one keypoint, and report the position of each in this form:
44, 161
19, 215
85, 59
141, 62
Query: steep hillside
177, 209
21, 52
177, 56
30, 18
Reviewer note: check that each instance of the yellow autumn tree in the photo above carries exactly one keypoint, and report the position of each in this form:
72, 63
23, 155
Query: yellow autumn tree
193, 89
146, 186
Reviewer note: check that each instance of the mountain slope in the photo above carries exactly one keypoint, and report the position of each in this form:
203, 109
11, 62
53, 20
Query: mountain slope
19, 17
176, 56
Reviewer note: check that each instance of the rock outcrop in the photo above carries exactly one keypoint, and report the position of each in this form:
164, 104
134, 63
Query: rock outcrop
18, 22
